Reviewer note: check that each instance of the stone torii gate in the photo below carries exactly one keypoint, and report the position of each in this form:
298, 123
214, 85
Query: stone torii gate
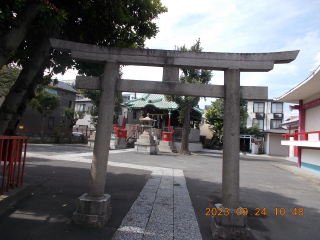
94, 206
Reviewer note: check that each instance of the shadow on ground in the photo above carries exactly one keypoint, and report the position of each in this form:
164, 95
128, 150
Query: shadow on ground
205, 194
47, 212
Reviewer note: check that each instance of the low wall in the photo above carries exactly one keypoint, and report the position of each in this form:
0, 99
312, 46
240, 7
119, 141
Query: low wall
74, 139
193, 147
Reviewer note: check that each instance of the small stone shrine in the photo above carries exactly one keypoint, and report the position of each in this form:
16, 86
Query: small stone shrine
146, 143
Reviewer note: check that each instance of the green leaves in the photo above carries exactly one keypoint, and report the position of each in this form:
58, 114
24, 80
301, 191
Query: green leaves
45, 102
215, 114
71, 114
8, 75
189, 75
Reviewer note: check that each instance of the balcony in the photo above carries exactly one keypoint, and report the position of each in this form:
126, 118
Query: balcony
303, 139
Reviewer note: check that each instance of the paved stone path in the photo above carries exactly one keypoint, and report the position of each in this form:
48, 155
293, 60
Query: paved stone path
163, 209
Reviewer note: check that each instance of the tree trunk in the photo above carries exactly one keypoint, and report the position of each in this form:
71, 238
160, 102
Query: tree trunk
185, 131
17, 93
30, 94
19, 27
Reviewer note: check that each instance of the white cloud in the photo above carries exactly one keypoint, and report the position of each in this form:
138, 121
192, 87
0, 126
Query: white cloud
241, 26
317, 58
68, 75
142, 73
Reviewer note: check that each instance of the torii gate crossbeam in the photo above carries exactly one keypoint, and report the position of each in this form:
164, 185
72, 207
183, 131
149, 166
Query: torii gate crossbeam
94, 207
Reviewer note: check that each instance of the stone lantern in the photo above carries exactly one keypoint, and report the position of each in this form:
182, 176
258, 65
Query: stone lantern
146, 143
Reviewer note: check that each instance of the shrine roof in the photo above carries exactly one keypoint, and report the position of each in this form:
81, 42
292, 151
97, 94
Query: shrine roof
156, 100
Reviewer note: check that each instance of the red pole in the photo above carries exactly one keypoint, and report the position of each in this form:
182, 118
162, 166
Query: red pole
124, 121
302, 119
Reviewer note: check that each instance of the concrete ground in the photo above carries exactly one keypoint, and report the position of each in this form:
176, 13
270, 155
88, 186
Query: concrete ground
59, 174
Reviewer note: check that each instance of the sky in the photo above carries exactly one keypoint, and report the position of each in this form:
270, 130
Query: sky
240, 26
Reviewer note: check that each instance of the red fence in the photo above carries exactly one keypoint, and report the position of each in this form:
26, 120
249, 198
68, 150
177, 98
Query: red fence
303, 134
13, 157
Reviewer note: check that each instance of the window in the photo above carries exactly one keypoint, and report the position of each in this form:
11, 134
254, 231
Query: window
258, 107
258, 122
51, 122
82, 107
134, 115
274, 123
276, 107
71, 103
90, 108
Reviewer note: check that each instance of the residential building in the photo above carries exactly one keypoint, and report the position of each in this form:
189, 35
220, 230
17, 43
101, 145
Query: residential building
84, 105
265, 114
307, 138
30, 123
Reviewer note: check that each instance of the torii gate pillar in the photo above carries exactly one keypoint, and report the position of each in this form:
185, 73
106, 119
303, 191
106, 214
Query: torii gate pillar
231, 225
94, 207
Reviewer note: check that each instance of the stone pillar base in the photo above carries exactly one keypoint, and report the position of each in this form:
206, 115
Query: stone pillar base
231, 224
229, 232
93, 212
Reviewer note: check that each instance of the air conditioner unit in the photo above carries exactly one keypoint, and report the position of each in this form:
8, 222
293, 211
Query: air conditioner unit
259, 115
278, 115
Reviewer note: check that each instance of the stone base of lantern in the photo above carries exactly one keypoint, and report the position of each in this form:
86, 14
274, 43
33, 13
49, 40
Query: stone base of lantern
146, 144
149, 149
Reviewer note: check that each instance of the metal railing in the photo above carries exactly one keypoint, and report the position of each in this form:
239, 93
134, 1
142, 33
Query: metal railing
13, 157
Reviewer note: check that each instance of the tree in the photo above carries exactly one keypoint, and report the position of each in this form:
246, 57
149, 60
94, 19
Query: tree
45, 103
105, 23
72, 115
214, 117
186, 103
8, 75
215, 114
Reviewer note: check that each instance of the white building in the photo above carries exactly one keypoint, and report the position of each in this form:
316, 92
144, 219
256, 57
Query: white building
266, 114
84, 105
307, 139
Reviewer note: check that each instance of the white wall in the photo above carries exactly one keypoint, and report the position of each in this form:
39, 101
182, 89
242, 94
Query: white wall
311, 156
275, 147
312, 119
204, 128
194, 135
